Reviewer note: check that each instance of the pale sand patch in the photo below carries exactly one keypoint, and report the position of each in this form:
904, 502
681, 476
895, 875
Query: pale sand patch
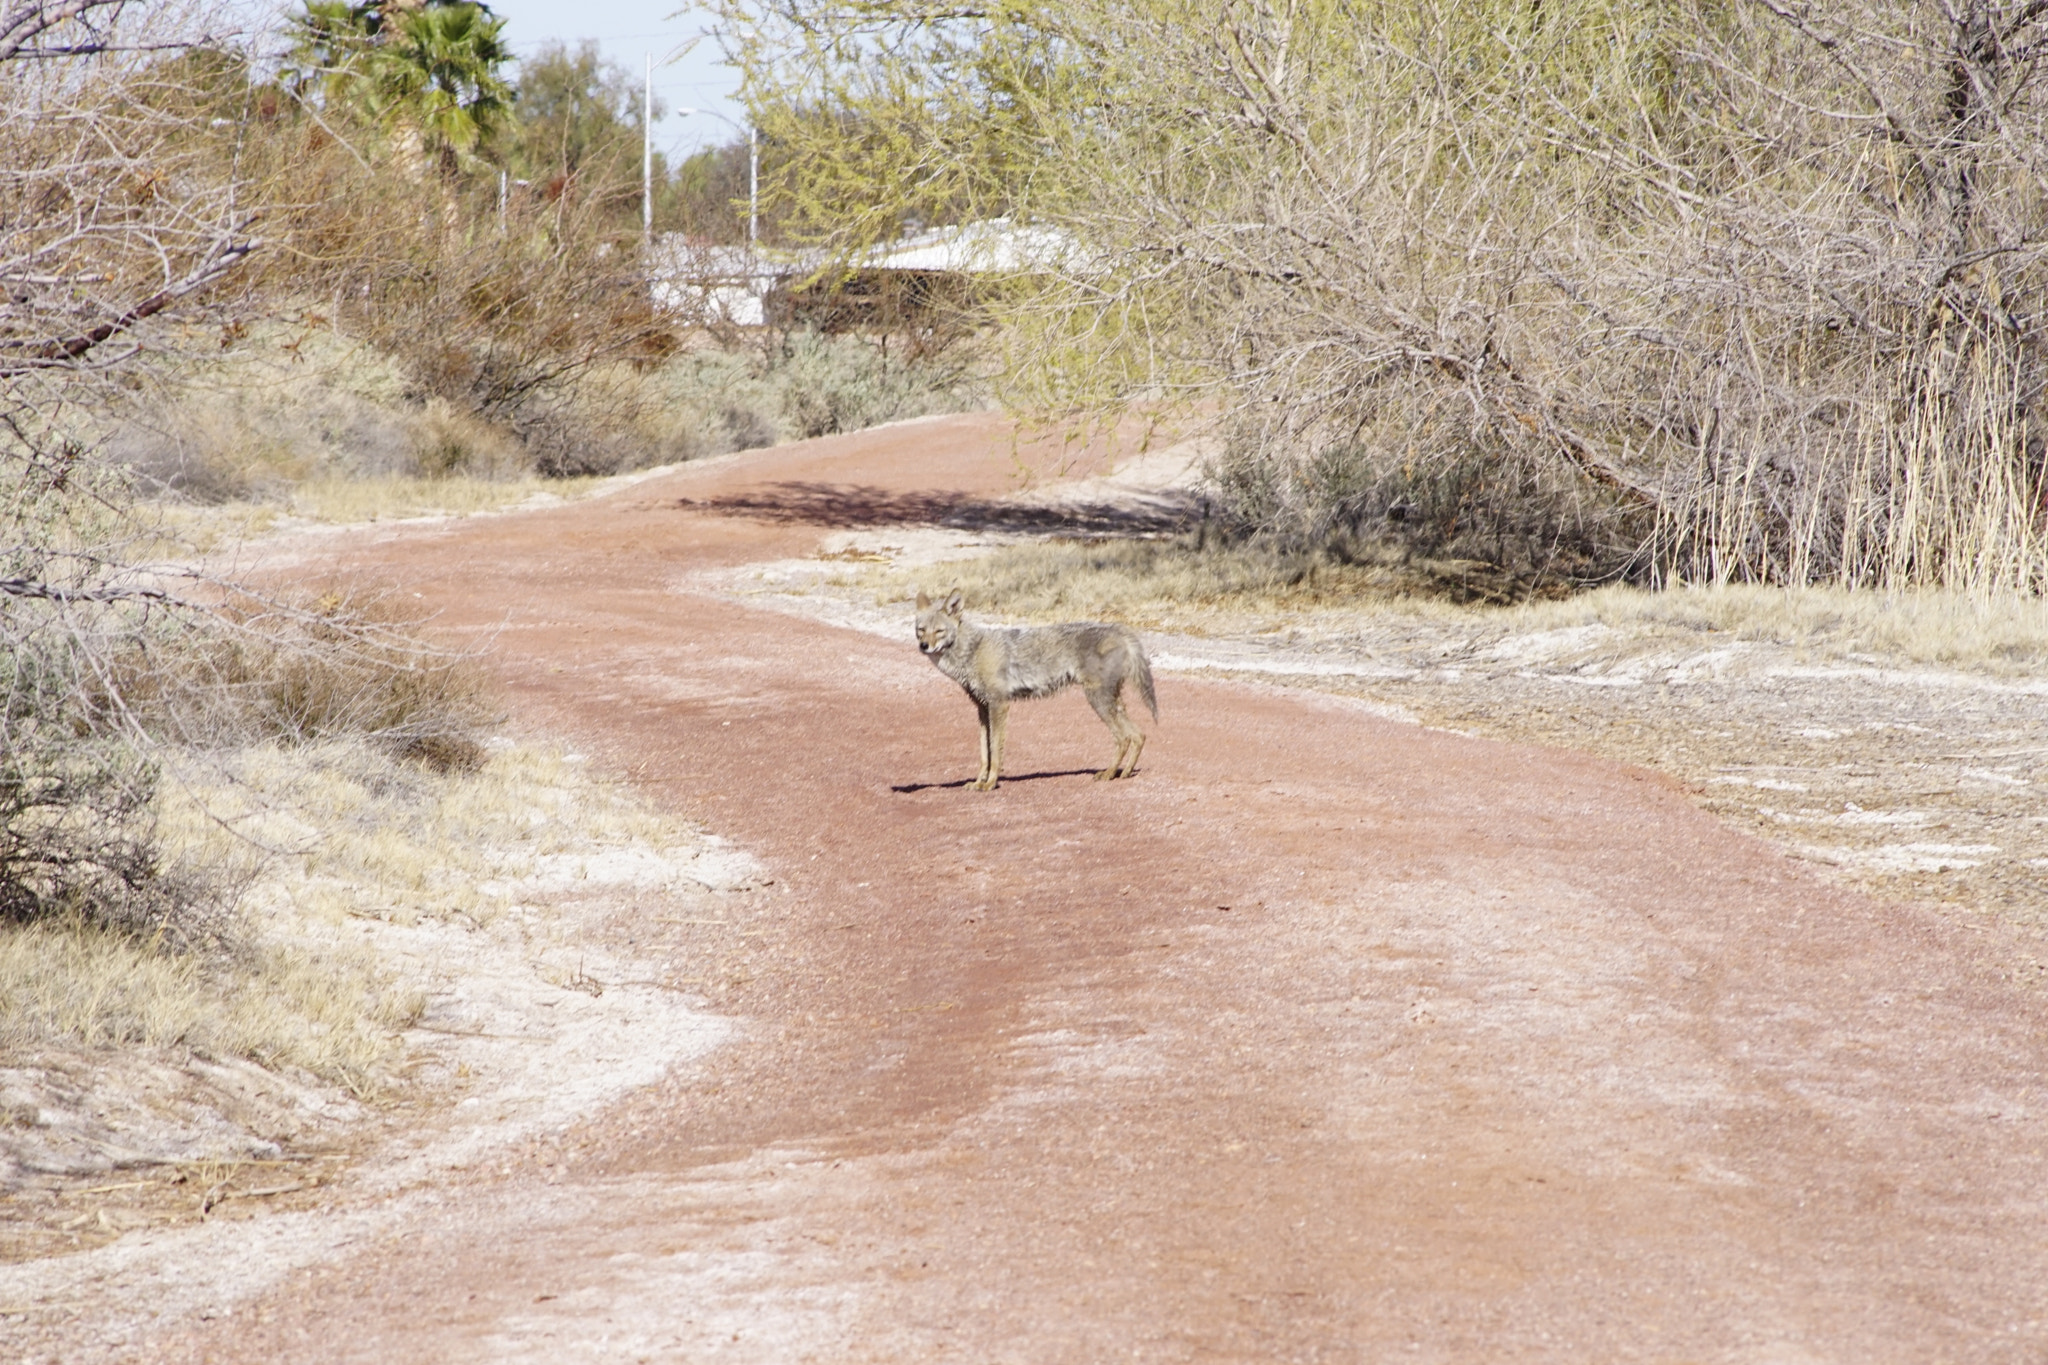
534, 1018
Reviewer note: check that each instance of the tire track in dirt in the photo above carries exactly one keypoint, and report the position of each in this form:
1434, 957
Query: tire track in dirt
1327, 1038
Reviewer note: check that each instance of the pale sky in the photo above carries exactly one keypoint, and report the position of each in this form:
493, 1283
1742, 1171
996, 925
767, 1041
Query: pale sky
629, 31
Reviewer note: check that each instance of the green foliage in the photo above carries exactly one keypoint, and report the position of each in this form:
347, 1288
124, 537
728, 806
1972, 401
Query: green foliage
706, 199
429, 72
1755, 281
878, 116
578, 114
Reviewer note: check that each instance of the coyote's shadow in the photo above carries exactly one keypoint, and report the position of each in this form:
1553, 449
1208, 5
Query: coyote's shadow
852, 506
909, 787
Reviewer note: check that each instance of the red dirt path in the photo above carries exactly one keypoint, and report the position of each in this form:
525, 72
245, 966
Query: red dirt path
1324, 1039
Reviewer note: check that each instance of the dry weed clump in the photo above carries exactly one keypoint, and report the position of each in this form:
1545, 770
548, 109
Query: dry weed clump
331, 1010
329, 835
1184, 579
1525, 529
301, 667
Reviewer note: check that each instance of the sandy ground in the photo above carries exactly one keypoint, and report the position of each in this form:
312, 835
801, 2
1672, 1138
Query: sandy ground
1329, 1037
1917, 782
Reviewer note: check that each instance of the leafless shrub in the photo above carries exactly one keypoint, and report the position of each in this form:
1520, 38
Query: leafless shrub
112, 213
1459, 498
1765, 282
499, 306
109, 674
296, 667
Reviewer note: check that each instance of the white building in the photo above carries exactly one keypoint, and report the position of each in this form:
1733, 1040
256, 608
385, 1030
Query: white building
742, 287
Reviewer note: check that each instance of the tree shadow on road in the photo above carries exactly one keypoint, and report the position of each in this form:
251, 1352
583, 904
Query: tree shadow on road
1007, 778
850, 506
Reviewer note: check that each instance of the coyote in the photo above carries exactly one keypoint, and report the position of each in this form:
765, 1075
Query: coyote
999, 665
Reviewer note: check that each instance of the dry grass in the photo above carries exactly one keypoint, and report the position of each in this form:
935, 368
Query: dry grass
207, 529
1999, 635
297, 423
336, 834
328, 1010
366, 837
1168, 584
352, 501
1179, 585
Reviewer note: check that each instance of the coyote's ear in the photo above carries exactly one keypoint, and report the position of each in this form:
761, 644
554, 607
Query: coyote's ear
953, 602
923, 601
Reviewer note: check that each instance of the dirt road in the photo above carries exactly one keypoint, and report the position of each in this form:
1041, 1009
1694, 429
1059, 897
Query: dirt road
1325, 1039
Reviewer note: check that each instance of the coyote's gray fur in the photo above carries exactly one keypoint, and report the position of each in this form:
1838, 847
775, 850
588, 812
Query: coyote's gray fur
999, 665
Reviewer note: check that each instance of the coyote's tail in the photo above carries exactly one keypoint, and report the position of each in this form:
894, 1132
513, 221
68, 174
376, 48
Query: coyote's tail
1143, 676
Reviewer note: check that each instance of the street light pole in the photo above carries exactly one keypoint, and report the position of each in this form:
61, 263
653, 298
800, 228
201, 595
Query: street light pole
647, 158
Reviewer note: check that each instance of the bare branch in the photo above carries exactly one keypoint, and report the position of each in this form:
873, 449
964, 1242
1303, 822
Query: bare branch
21, 24
225, 254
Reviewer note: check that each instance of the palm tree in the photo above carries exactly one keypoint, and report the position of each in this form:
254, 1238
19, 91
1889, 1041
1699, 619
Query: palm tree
426, 70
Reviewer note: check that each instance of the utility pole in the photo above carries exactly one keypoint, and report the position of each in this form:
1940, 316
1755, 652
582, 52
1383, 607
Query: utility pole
753, 187
647, 158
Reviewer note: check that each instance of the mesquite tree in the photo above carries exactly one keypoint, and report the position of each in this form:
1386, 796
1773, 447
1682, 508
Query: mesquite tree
1667, 288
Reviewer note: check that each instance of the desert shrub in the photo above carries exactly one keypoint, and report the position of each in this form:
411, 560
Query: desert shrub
1535, 526
845, 383
97, 702
445, 441
297, 667
1765, 279
805, 384
108, 672
77, 833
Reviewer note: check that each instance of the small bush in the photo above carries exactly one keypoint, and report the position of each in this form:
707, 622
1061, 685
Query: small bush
77, 834
77, 837
845, 383
446, 441
1441, 494
805, 385
297, 669
96, 697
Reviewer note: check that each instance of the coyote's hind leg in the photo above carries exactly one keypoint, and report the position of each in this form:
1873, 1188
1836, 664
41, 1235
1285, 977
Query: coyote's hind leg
1127, 756
1109, 704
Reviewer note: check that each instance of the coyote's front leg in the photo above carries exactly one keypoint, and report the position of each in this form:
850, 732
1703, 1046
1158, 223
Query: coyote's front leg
993, 714
998, 727
981, 783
